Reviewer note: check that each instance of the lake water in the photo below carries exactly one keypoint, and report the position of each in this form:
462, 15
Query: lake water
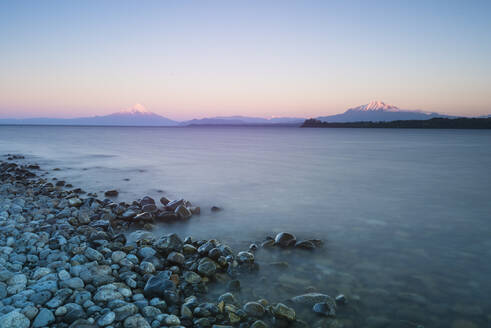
405, 214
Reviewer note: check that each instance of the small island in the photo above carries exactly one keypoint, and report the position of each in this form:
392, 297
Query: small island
434, 123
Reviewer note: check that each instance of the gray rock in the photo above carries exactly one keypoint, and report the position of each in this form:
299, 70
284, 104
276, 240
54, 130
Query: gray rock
40, 298
259, 324
14, 319
125, 311
106, 319
282, 311
207, 267
312, 298
30, 312
157, 285
48, 285
43, 319
245, 257
147, 267
146, 252
73, 283
117, 256
254, 309
169, 243
227, 298
192, 277
74, 312
172, 320
93, 255
61, 311
176, 258
150, 311
285, 239
325, 309
129, 214
183, 212
106, 293
136, 321
305, 244
186, 312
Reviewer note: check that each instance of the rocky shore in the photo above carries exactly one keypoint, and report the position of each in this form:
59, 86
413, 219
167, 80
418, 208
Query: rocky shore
69, 259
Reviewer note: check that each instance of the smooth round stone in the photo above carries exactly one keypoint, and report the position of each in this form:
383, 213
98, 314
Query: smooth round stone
259, 324
192, 277
147, 267
207, 267
254, 309
285, 239
30, 312
145, 252
117, 256
73, 283
245, 257
176, 258
324, 309
106, 319
63, 275
14, 319
186, 312
172, 320
312, 298
61, 311
44, 318
305, 244
136, 321
282, 311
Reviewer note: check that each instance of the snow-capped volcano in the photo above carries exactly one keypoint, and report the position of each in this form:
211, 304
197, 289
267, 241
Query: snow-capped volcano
376, 105
137, 109
378, 111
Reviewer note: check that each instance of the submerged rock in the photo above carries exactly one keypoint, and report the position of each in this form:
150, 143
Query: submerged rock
312, 298
304, 244
111, 193
326, 309
282, 311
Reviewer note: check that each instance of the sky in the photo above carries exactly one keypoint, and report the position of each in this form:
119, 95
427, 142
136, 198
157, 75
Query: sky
193, 59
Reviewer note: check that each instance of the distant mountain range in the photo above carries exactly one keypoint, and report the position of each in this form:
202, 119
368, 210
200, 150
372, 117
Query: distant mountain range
375, 111
132, 117
378, 111
243, 120
138, 116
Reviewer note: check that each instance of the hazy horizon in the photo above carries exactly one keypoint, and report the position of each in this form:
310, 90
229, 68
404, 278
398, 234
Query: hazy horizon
262, 59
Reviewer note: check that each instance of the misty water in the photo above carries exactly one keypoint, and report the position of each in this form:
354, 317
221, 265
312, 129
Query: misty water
405, 214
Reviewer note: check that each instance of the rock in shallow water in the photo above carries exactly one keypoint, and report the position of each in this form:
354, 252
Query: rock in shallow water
304, 244
282, 311
324, 308
254, 309
312, 298
111, 193
285, 239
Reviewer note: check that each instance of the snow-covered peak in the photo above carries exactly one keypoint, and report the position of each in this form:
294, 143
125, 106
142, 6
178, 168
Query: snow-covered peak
376, 105
136, 109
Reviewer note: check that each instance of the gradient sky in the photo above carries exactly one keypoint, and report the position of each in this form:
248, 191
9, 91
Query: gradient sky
186, 59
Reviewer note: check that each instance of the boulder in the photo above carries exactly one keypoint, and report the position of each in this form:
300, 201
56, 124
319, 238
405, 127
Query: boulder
285, 239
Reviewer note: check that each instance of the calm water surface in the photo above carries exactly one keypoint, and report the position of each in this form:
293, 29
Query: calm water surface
405, 214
